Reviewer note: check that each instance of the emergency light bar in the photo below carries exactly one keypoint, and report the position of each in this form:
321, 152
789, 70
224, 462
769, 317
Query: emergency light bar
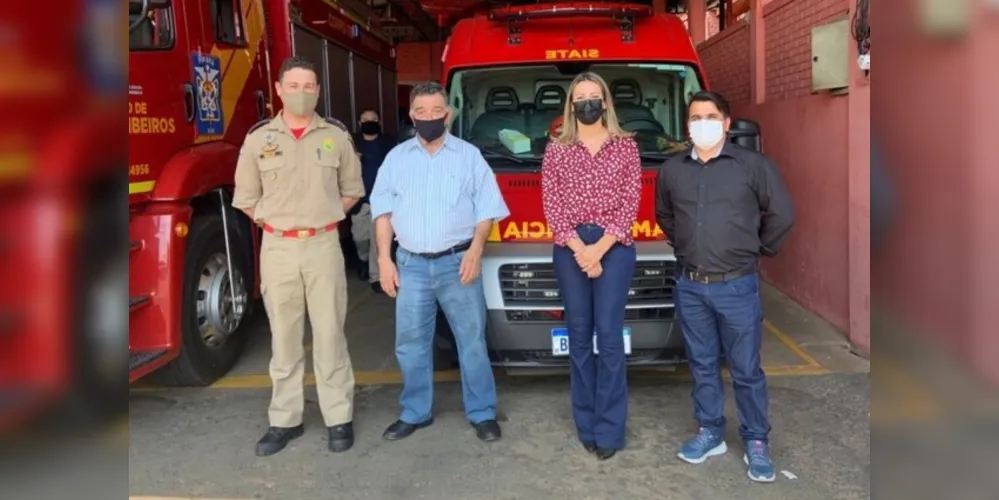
569, 9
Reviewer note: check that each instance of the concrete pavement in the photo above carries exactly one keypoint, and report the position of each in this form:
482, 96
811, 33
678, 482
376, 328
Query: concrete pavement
198, 443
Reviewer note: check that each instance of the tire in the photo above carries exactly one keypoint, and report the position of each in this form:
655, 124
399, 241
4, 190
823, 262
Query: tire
200, 364
98, 389
445, 348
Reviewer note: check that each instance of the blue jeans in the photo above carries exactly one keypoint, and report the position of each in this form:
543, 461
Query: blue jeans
422, 284
599, 383
725, 318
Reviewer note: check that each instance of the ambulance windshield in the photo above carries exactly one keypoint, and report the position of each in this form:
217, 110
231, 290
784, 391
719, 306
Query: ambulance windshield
511, 112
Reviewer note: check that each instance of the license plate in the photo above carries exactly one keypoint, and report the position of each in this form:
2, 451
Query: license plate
560, 341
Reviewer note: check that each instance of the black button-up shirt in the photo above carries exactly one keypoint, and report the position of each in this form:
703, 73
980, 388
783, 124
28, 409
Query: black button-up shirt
721, 215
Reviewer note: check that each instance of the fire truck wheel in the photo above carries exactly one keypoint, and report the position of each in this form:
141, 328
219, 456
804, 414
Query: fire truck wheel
212, 320
99, 370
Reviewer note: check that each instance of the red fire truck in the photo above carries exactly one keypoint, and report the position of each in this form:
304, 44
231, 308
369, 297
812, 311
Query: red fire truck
509, 69
59, 154
201, 73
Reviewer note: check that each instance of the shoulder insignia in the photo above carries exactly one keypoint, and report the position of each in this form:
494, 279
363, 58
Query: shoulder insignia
257, 125
338, 124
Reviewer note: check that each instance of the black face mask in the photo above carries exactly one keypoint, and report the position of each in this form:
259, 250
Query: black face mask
430, 130
589, 111
370, 128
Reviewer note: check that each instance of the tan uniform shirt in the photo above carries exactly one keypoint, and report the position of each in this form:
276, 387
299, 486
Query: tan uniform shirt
297, 183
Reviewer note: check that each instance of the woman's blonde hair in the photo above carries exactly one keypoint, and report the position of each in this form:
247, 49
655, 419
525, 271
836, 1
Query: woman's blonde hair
609, 119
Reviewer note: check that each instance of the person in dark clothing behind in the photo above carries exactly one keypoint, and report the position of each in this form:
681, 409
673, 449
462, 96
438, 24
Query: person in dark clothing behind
372, 145
723, 206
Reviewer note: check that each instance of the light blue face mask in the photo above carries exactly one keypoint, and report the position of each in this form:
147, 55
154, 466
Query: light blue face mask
706, 133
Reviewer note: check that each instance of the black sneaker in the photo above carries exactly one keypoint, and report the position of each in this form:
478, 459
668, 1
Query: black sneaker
488, 430
277, 438
401, 430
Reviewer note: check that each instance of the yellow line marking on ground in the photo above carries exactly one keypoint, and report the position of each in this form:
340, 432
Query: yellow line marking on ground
367, 378
120, 431
361, 299
790, 344
360, 379
683, 373
905, 399
790, 370
889, 414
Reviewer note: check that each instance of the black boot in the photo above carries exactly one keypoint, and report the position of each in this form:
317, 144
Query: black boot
277, 438
341, 437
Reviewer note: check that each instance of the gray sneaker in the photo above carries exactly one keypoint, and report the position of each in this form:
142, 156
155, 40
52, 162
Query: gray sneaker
757, 457
702, 446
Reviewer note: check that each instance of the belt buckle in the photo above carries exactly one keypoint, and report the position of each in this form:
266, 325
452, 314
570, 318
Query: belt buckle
303, 233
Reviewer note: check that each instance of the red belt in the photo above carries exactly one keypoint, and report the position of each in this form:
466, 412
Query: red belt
300, 233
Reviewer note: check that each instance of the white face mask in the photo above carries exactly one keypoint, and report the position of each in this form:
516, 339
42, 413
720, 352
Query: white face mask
706, 133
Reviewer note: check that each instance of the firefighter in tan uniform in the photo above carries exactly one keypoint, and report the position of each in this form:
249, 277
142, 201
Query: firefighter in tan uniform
297, 176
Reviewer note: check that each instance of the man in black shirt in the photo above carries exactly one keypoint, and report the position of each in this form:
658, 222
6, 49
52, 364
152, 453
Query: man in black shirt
372, 145
723, 206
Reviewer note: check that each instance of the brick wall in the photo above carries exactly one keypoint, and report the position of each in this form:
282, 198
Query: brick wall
711, 22
814, 265
418, 62
726, 55
789, 43
725, 58
714, 24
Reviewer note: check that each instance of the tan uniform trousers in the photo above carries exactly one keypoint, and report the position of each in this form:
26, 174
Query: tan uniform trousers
298, 275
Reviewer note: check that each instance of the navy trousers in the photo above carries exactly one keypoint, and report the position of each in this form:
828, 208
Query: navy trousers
599, 383
725, 319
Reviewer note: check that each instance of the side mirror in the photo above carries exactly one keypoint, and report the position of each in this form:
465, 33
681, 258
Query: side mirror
746, 133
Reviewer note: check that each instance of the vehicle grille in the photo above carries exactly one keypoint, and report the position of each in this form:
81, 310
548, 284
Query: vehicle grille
548, 357
557, 316
534, 284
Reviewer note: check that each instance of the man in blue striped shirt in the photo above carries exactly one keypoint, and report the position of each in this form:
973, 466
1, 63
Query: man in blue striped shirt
437, 194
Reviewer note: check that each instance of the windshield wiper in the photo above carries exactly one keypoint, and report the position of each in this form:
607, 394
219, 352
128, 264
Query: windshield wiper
657, 156
488, 152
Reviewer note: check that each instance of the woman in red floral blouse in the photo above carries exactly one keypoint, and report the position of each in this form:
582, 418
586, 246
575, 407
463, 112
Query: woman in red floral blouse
591, 182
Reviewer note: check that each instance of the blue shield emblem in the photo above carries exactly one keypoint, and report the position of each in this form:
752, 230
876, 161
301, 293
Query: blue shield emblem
207, 75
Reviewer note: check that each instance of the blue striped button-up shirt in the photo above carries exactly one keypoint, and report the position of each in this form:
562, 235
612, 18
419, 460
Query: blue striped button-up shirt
436, 200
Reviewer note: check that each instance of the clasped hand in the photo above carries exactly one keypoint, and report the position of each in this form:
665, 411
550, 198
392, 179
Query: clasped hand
589, 260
